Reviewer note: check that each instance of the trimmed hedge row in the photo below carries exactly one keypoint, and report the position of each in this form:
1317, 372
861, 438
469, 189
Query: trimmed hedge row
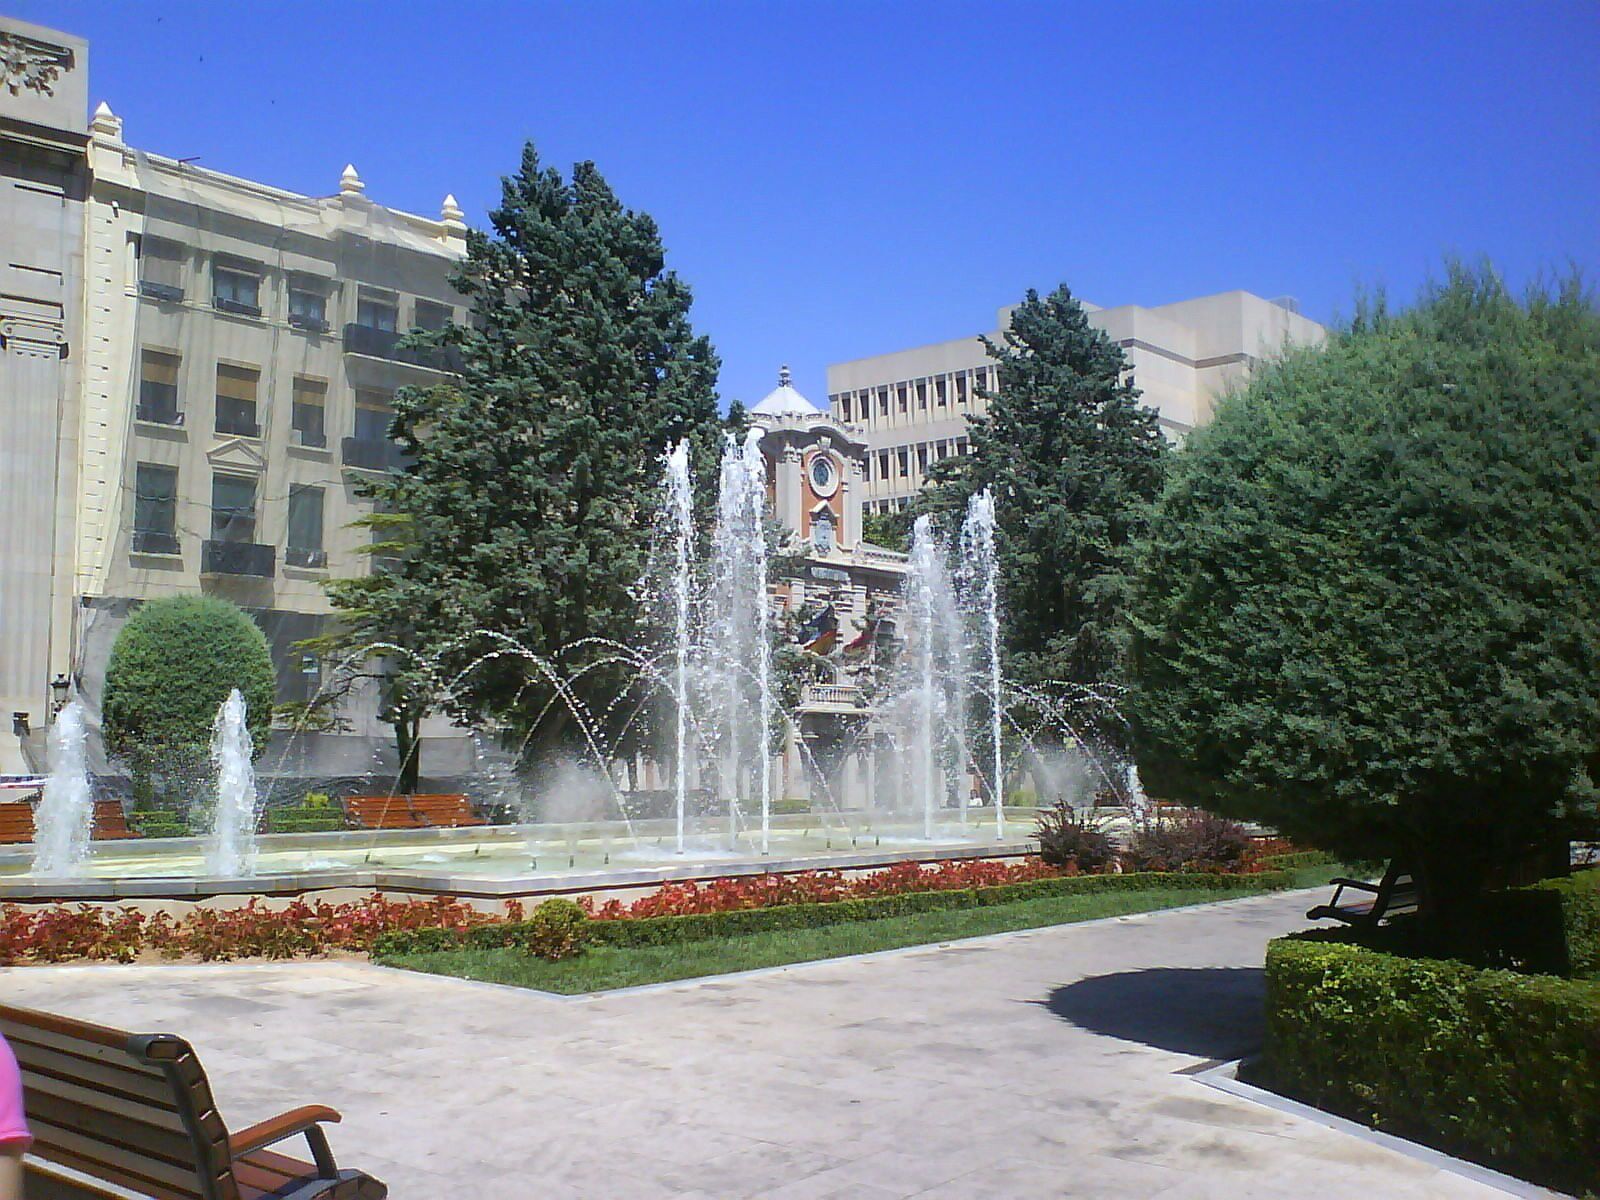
665, 931
1492, 1065
1561, 920
1297, 858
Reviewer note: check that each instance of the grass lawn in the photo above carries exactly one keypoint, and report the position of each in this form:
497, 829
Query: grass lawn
602, 967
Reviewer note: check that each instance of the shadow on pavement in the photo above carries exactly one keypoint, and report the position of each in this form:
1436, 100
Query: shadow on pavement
1210, 1012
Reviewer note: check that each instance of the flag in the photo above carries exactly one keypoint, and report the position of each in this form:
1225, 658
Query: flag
862, 643
819, 632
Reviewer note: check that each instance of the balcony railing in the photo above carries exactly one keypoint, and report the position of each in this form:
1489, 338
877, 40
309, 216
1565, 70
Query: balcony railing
237, 427
299, 556
148, 541
168, 292
832, 695
384, 343
158, 414
309, 323
238, 558
223, 304
372, 454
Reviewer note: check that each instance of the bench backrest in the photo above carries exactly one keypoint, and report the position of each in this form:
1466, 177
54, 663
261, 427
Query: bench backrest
378, 810
16, 820
133, 1110
108, 815
443, 805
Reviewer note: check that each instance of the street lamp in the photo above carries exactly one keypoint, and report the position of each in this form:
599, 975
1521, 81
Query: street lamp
60, 685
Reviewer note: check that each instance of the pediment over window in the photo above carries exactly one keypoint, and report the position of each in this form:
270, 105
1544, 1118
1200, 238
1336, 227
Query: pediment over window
237, 454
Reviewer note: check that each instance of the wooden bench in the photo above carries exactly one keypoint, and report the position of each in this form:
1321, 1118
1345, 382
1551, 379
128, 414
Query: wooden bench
445, 811
1392, 896
380, 812
436, 811
110, 822
16, 822
113, 1112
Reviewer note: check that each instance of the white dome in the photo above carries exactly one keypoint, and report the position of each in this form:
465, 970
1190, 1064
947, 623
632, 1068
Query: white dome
784, 401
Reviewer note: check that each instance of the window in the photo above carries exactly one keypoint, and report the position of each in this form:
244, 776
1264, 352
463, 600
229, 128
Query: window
155, 509
922, 459
431, 316
308, 305
233, 508
904, 463
961, 445
305, 527
822, 533
236, 289
375, 312
939, 392
961, 389
883, 403
901, 394
309, 417
373, 416
161, 268
883, 464
236, 400
158, 388
922, 393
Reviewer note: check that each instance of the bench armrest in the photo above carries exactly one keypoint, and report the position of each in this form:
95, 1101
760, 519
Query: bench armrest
305, 1119
1359, 884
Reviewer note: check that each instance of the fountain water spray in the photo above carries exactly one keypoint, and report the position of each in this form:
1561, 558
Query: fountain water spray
66, 813
231, 848
680, 507
982, 569
934, 685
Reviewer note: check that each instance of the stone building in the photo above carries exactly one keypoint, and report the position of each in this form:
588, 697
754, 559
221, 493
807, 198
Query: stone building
912, 405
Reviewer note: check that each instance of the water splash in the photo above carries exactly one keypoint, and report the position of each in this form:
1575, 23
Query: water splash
981, 567
65, 818
231, 848
680, 509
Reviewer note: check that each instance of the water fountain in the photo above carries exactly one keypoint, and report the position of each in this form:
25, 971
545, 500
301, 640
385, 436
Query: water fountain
980, 570
680, 510
231, 848
65, 819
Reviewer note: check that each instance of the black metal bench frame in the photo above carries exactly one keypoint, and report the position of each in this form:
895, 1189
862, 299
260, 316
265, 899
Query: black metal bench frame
1394, 894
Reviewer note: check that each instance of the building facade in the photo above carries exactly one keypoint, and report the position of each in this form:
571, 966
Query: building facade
196, 401
912, 405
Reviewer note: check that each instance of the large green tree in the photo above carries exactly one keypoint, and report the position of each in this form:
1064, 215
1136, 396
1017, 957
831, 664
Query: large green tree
1369, 609
1074, 461
533, 483
171, 667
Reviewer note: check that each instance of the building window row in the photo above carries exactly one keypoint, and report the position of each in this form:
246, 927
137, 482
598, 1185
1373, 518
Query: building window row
231, 537
892, 465
238, 399
239, 286
932, 392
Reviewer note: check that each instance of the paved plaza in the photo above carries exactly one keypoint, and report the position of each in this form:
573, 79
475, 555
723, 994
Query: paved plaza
1039, 1064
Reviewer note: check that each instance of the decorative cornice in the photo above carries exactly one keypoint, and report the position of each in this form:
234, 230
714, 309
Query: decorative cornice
27, 64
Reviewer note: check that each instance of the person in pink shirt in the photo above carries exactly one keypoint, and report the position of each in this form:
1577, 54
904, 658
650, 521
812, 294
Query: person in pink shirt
14, 1136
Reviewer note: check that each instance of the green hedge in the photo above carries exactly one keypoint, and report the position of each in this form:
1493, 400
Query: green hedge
1553, 927
1492, 1065
664, 931
304, 819
1297, 858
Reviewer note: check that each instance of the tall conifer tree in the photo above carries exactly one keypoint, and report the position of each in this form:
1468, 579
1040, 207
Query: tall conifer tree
534, 480
1075, 461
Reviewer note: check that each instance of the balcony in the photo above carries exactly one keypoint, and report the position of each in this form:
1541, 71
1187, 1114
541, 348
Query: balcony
299, 556
237, 307
832, 697
167, 292
148, 541
308, 323
157, 413
238, 558
372, 454
384, 343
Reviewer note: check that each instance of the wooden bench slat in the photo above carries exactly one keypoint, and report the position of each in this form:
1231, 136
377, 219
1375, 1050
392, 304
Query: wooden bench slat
44, 1180
110, 1161
138, 1137
131, 1084
158, 1112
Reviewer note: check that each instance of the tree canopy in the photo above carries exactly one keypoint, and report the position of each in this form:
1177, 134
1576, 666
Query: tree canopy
1368, 611
533, 481
171, 667
1074, 461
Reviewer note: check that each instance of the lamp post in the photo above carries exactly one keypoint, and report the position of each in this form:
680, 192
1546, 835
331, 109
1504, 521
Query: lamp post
59, 687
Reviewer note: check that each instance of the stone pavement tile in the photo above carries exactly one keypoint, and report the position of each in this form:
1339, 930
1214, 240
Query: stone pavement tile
1086, 1176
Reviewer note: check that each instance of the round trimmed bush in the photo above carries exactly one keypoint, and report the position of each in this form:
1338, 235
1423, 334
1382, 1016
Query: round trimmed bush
173, 665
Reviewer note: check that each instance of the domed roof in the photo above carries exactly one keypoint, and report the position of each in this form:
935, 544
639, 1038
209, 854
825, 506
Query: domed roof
784, 401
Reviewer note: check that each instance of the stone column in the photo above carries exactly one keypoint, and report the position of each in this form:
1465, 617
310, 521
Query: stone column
789, 498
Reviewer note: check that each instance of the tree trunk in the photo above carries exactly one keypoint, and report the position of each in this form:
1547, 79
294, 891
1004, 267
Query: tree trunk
409, 745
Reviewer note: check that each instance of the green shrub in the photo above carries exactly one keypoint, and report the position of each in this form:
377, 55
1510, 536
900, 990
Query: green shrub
1550, 928
1296, 859
1499, 1067
318, 800
301, 820
667, 931
171, 667
1069, 838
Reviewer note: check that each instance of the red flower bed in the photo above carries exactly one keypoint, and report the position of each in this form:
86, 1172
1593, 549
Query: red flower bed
820, 887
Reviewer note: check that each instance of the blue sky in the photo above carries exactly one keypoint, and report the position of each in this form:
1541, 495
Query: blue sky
837, 180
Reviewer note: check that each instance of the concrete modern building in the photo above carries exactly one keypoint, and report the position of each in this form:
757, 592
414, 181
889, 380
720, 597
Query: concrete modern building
198, 372
912, 405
